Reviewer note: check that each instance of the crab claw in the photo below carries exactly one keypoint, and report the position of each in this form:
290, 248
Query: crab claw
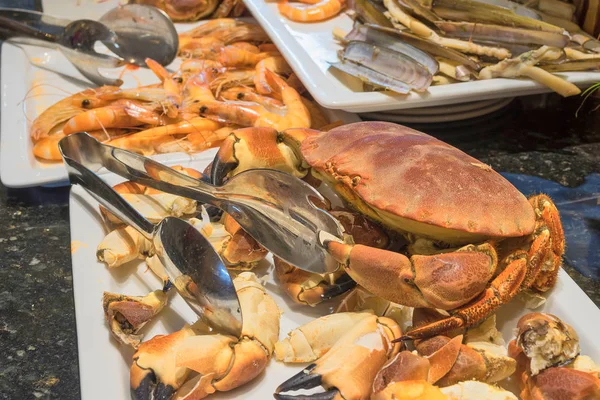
546, 341
314, 339
154, 373
249, 148
308, 288
444, 281
305, 379
240, 250
126, 315
350, 366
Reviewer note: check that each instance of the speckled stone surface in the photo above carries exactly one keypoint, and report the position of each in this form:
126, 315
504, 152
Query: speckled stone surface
38, 349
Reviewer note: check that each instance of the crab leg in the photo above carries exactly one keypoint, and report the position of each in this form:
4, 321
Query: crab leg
548, 216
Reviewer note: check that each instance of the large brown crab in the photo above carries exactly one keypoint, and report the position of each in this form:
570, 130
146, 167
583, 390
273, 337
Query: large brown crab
474, 241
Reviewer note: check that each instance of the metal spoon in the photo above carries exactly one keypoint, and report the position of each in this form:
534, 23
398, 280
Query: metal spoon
273, 207
192, 264
141, 32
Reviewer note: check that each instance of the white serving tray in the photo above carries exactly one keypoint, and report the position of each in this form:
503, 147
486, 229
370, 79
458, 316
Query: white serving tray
104, 365
30, 85
308, 47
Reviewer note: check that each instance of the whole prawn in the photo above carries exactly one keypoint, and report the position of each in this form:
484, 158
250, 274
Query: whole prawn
52, 119
311, 10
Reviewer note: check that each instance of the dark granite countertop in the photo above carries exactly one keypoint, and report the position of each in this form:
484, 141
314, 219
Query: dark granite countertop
538, 136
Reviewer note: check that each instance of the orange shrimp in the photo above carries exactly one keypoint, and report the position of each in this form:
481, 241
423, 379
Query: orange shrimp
151, 93
293, 115
149, 113
311, 12
196, 141
172, 86
200, 135
196, 124
195, 65
232, 78
246, 46
113, 116
247, 94
145, 145
234, 57
52, 118
267, 47
196, 46
242, 33
47, 148
277, 65
209, 27
197, 90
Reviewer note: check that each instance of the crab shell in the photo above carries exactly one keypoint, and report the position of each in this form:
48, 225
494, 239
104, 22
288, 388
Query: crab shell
424, 186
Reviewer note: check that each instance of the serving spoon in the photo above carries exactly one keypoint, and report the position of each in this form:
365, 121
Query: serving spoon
277, 209
190, 261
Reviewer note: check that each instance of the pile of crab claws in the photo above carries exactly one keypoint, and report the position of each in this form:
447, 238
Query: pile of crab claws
304, 379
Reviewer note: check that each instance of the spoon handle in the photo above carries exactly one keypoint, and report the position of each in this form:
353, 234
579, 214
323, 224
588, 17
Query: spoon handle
145, 171
80, 168
10, 28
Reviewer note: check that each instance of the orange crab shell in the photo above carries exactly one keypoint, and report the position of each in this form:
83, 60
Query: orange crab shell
411, 181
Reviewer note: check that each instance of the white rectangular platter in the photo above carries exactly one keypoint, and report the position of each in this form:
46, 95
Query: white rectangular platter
30, 85
104, 365
308, 47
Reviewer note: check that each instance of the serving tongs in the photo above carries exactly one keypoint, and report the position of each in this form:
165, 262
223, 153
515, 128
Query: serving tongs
277, 209
132, 32
190, 261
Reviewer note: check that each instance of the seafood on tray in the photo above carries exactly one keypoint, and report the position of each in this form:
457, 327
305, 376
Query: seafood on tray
408, 45
422, 275
231, 76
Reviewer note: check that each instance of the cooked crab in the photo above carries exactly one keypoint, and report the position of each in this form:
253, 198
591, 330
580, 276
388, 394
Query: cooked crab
474, 241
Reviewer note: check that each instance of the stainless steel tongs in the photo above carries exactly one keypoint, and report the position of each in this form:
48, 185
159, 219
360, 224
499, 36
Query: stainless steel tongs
132, 32
273, 207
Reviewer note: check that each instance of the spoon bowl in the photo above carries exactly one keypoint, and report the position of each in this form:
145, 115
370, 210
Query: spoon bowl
141, 32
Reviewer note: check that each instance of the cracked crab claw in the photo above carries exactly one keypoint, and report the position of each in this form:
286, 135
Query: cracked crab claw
193, 366
126, 315
348, 369
312, 340
546, 341
154, 373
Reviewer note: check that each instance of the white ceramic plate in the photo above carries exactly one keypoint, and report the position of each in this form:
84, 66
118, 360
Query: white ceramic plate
446, 108
308, 47
475, 110
30, 84
104, 365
